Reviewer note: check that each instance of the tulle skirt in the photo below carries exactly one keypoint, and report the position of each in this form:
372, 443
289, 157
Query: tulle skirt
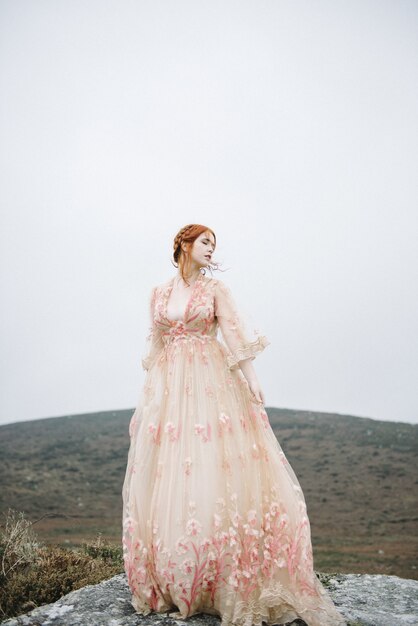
214, 518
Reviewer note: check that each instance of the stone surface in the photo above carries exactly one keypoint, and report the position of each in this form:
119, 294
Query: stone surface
364, 600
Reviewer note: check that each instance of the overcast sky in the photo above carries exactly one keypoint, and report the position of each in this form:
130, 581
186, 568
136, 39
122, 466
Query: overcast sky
290, 128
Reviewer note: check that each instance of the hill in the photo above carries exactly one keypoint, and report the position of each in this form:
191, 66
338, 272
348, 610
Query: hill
357, 474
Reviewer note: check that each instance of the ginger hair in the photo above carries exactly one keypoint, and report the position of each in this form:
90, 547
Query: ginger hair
188, 234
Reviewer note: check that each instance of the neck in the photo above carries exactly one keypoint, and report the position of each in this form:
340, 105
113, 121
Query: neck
191, 277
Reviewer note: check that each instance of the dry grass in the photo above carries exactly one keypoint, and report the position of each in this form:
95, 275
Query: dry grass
33, 574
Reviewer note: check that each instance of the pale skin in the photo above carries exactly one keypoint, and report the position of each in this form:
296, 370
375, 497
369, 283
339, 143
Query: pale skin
202, 246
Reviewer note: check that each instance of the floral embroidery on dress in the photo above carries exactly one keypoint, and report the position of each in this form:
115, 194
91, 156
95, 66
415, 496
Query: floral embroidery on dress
209, 391
155, 431
193, 527
203, 431
241, 546
172, 431
188, 466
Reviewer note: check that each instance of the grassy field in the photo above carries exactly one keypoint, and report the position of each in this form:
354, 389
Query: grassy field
358, 476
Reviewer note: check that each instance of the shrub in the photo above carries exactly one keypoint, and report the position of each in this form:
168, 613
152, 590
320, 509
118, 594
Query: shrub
32, 574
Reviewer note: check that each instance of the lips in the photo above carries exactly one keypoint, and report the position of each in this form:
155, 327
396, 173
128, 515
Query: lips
207, 256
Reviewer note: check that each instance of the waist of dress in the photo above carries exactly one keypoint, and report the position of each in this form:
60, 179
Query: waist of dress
178, 333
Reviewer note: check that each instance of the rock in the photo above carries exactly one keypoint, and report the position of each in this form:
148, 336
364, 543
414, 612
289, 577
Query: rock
376, 600
363, 599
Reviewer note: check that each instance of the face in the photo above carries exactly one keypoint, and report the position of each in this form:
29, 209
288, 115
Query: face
203, 249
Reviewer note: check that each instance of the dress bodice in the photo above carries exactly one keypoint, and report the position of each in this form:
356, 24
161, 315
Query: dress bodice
210, 305
198, 318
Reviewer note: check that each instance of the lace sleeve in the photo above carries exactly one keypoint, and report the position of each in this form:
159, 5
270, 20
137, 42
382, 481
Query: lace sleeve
238, 342
154, 342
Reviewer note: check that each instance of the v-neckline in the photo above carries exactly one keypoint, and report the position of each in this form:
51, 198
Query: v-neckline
188, 304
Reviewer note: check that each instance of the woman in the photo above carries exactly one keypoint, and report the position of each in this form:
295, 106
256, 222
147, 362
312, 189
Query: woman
214, 518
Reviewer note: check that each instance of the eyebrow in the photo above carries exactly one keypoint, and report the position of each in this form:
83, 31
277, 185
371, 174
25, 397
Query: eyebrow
209, 240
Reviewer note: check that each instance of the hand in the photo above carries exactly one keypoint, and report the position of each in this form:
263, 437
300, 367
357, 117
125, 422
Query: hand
251, 377
256, 391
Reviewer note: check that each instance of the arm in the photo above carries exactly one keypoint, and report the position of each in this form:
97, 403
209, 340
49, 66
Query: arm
154, 342
242, 350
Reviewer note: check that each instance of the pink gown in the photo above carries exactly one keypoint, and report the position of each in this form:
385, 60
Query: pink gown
214, 518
